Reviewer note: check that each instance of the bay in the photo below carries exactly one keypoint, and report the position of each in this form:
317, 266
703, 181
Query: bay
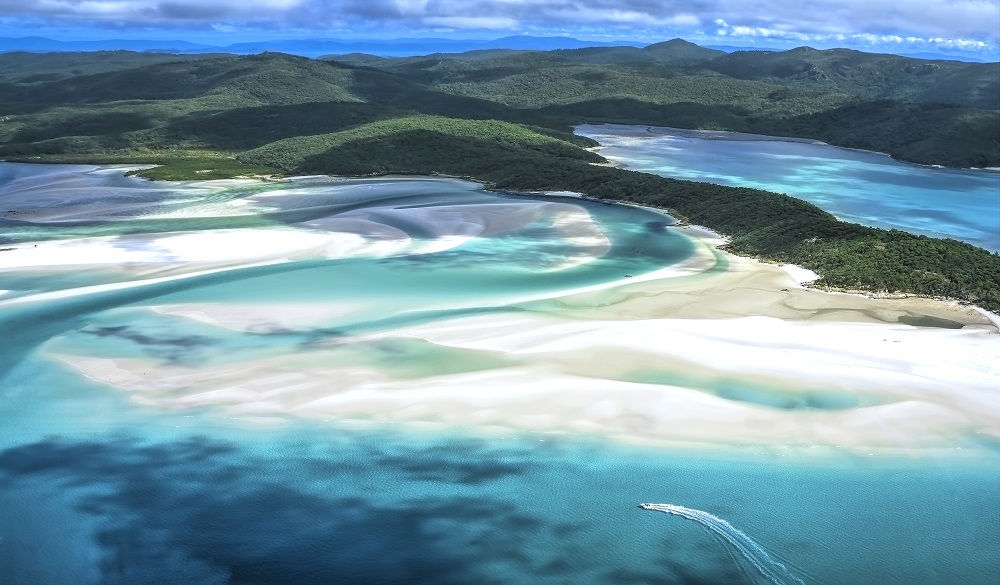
856, 186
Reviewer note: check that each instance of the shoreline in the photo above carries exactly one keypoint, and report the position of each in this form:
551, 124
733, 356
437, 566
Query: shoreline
720, 240
772, 292
752, 137
716, 240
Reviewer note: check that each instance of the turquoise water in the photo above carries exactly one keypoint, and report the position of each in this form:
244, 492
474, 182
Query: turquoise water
98, 488
856, 186
104, 494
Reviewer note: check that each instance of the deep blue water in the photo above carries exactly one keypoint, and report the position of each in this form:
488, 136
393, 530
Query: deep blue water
127, 496
856, 186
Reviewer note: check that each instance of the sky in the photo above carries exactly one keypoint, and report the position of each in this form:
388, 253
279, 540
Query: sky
971, 27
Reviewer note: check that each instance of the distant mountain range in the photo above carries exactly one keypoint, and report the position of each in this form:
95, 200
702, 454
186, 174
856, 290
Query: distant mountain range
44, 45
311, 47
383, 48
922, 55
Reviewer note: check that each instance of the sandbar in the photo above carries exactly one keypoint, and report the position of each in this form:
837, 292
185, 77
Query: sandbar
735, 355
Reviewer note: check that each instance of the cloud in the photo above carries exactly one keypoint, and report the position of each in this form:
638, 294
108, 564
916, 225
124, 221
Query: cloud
968, 20
211, 512
864, 39
472, 22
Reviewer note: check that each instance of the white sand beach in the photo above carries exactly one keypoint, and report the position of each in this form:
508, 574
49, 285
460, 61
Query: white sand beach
741, 357
127, 261
860, 387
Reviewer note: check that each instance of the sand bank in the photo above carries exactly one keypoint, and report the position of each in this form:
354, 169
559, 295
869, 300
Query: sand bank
858, 387
799, 274
721, 285
374, 232
716, 350
669, 360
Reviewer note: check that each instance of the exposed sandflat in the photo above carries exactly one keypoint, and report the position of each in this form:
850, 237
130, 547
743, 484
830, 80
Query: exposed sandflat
741, 356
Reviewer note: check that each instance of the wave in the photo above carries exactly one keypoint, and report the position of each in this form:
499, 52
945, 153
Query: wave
767, 565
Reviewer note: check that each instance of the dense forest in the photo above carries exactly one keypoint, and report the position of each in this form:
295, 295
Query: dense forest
504, 117
930, 112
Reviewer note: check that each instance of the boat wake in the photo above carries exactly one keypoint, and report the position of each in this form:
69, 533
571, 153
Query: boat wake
767, 565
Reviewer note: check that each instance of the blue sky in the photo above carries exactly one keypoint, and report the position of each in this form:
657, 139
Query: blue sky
968, 26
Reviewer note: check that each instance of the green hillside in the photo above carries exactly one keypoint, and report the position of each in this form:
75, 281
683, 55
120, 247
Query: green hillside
224, 82
398, 151
680, 52
33, 68
673, 52
931, 112
934, 112
225, 103
869, 76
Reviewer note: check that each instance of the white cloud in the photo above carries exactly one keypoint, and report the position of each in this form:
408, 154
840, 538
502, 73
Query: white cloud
470, 22
926, 21
865, 39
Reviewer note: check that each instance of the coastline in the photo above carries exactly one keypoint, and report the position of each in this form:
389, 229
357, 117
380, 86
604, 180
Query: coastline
752, 137
771, 292
718, 241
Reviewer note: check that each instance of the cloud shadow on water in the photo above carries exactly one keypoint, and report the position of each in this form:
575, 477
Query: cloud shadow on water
204, 511
208, 511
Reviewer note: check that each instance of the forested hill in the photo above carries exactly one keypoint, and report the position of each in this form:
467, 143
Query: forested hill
22, 68
504, 117
119, 103
930, 112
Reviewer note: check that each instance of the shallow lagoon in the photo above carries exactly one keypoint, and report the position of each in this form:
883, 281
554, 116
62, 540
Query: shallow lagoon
856, 186
101, 484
